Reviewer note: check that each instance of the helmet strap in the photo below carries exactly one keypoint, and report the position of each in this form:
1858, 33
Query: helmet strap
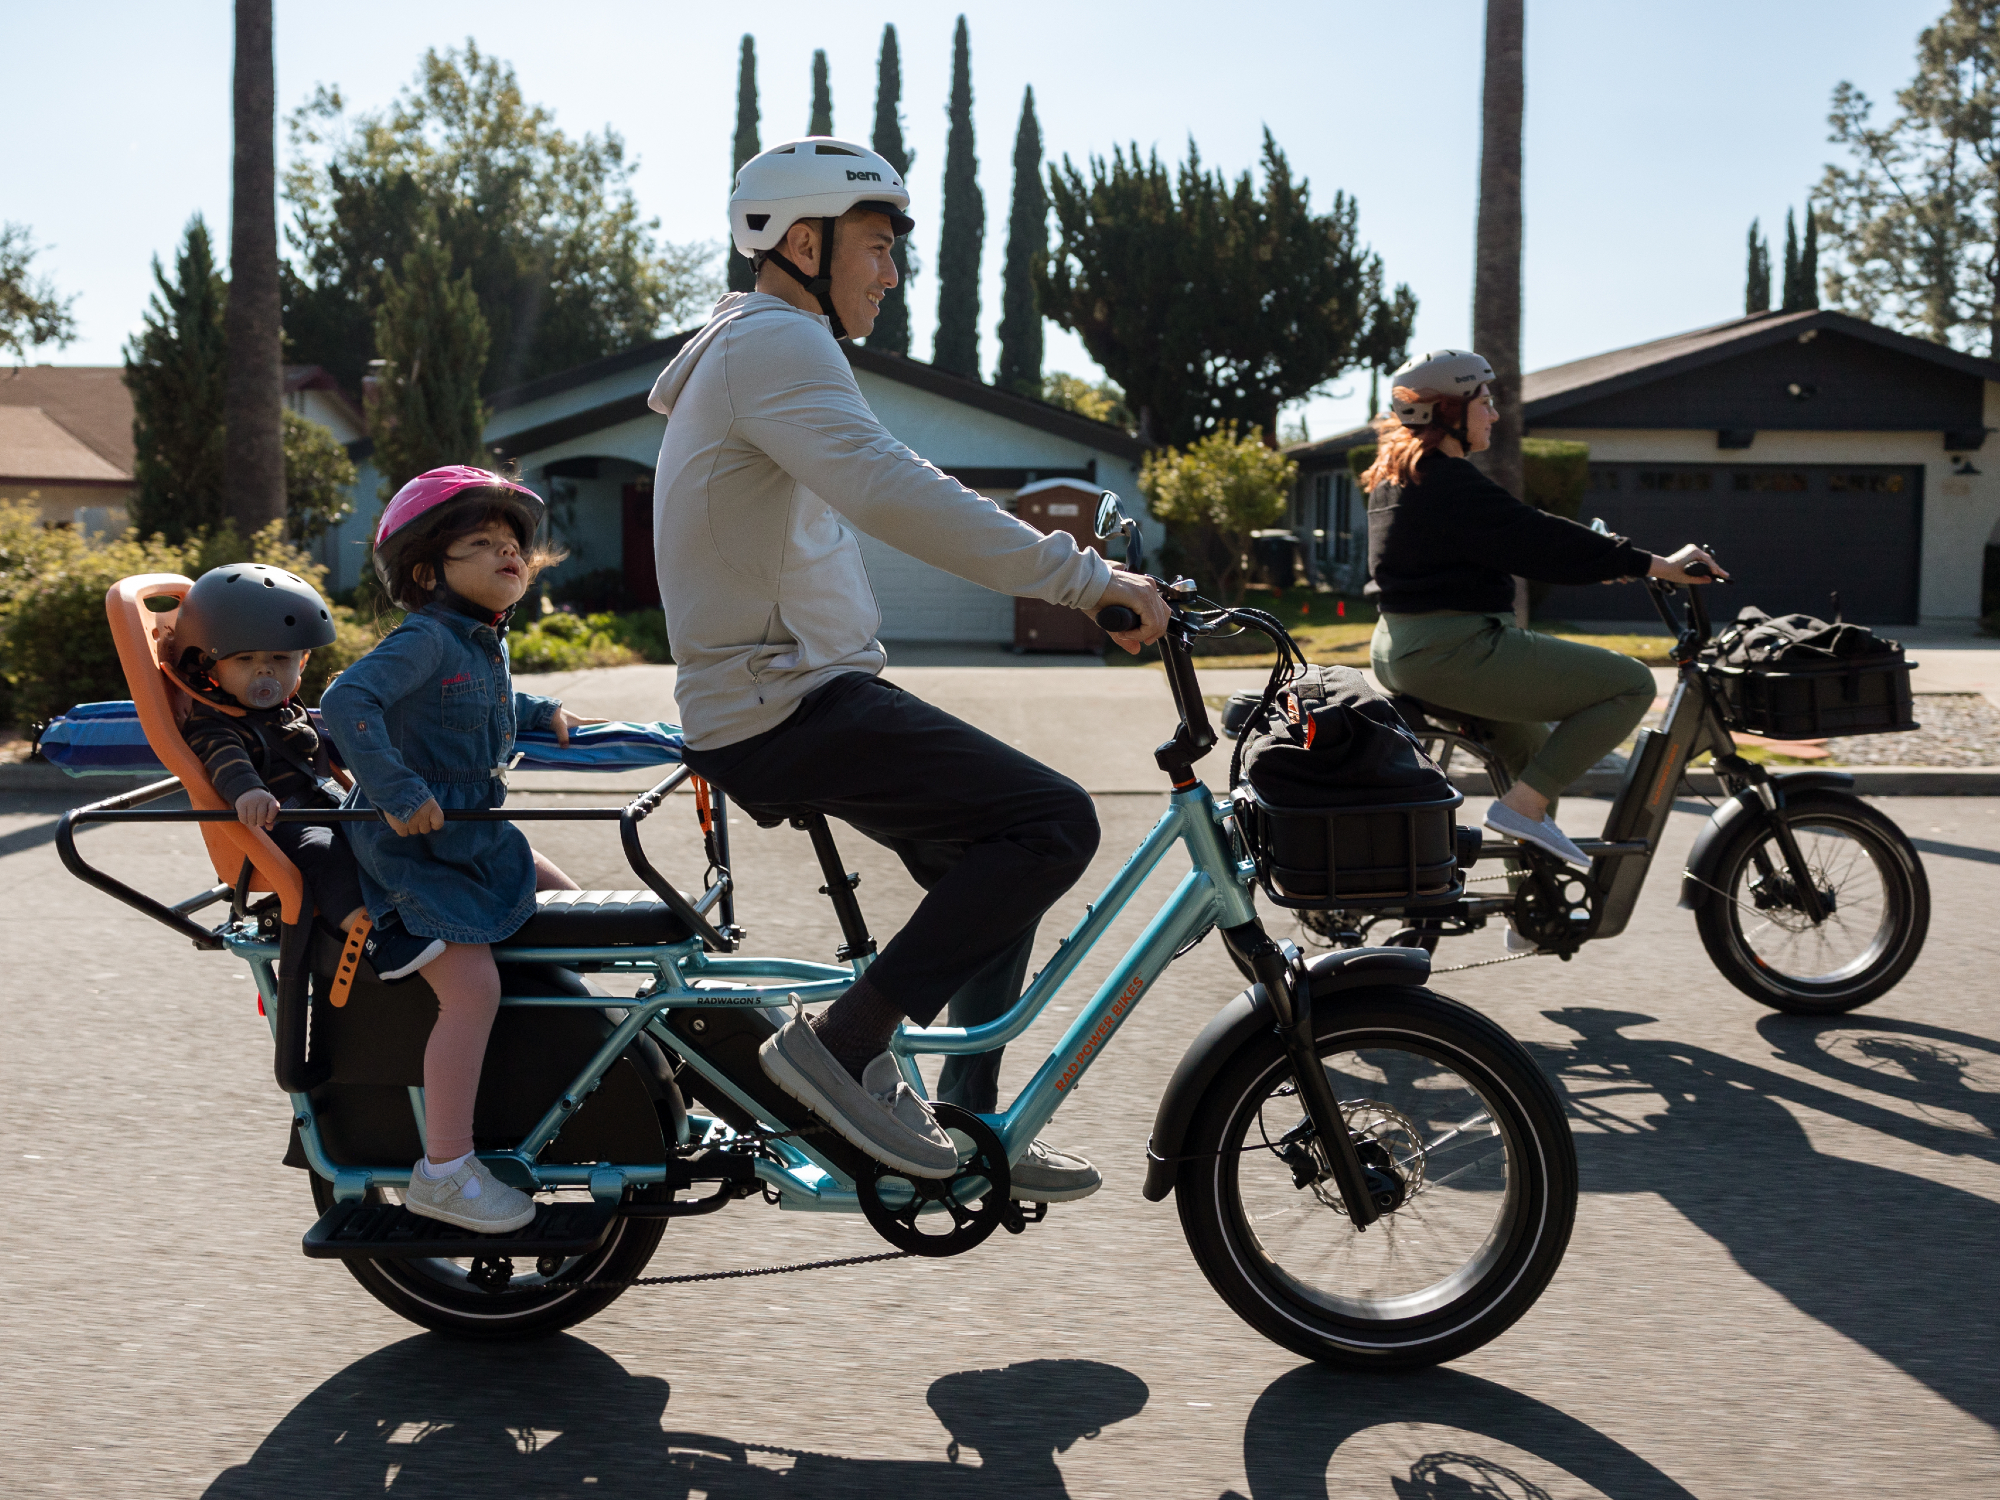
821, 286
457, 603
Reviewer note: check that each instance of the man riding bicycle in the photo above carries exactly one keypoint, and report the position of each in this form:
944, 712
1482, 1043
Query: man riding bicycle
771, 461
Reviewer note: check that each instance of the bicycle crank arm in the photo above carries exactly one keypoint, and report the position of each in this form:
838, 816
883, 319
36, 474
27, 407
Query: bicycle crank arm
1291, 1002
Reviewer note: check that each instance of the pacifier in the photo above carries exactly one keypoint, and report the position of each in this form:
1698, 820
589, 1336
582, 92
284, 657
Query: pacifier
265, 692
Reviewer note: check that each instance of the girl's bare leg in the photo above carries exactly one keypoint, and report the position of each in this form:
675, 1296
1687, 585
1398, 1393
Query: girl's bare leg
467, 983
549, 878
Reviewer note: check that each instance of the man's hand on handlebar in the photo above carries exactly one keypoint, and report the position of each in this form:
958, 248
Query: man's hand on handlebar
1676, 569
1135, 591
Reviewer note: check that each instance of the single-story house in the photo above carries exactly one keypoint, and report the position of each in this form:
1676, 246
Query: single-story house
586, 440
66, 442
1816, 452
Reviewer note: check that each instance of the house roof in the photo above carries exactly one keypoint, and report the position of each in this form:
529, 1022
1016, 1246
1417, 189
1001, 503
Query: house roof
319, 378
1316, 454
90, 402
35, 447
653, 356
1547, 392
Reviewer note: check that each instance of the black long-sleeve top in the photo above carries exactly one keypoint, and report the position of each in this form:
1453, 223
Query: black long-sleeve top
1455, 540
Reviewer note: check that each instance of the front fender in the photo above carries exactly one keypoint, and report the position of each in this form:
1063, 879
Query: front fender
1241, 1020
1696, 876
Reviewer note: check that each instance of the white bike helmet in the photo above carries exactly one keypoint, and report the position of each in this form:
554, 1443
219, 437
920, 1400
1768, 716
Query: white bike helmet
1442, 372
815, 178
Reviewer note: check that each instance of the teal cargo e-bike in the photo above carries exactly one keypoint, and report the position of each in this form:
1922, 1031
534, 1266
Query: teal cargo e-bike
1368, 1173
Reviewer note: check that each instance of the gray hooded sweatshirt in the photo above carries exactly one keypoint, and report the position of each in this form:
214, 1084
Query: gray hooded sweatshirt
771, 462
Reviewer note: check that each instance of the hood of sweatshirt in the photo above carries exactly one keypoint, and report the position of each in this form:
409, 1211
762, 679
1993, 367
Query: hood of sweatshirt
733, 307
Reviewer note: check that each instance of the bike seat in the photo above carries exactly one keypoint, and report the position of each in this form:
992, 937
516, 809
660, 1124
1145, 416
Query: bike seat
598, 919
1416, 712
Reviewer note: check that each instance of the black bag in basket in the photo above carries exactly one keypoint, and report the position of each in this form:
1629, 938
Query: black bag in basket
1346, 805
1798, 677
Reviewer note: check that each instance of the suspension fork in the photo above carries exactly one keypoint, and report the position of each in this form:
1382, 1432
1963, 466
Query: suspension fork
1290, 997
1772, 799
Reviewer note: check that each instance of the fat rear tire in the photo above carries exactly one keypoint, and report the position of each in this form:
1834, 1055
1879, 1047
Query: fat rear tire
1730, 923
434, 1295
1315, 1294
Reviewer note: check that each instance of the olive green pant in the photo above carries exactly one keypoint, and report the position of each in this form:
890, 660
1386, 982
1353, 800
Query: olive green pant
1555, 706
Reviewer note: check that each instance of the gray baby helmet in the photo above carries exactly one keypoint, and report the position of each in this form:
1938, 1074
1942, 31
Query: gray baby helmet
251, 607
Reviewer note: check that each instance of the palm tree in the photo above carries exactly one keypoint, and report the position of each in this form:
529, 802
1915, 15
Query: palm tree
253, 395
1496, 282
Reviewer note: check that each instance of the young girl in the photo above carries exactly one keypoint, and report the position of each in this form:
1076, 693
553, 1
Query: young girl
426, 721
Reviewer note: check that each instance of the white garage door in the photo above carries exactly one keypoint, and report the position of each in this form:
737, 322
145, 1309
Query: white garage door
922, 603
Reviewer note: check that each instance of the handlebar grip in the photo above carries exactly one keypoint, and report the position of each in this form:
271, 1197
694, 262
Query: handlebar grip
1702, 570
1117, 618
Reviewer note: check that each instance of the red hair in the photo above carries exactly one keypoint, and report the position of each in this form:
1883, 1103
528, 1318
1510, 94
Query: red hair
1398, 447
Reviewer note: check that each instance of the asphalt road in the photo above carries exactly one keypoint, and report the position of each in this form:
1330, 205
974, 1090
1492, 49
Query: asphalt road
1781, 1283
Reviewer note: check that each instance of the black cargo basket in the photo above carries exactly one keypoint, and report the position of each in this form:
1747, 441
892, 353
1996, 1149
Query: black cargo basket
1380, 853
1790, 701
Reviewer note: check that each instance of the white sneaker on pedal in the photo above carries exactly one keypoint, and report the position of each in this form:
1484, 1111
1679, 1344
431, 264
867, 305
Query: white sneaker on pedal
1519, 942
1045, 1175
898, 1133
470, 1197
1544, 835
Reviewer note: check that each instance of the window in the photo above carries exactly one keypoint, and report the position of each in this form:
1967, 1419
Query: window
1771, 481
1322, 524
1669, 479
1865, 484
1343, 519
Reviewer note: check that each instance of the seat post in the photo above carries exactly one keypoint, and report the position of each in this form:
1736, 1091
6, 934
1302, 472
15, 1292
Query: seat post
839, 889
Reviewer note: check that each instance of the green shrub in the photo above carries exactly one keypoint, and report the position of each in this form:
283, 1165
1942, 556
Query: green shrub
568, 643
644, 631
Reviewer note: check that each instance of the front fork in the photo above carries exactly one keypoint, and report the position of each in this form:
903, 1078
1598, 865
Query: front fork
1362, 1189
1805, 888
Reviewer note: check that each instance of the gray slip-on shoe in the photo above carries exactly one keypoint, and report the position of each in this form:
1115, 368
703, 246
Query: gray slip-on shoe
1045, 1175
471, 1198
908, 1139
1544, 835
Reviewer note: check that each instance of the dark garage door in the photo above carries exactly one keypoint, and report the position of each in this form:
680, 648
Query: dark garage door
1789, 535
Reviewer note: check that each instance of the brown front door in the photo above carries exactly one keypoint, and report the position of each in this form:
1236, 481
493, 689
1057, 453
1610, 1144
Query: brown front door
642, 583
1038, 625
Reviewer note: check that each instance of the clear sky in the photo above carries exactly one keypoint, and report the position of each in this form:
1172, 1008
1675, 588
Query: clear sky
1655, 133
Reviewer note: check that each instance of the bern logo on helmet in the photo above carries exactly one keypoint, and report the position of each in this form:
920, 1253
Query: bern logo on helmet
864, 176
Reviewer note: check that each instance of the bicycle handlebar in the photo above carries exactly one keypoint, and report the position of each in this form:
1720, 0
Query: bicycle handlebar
1117, 618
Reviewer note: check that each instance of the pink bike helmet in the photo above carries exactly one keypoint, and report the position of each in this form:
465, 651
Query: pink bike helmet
422, 500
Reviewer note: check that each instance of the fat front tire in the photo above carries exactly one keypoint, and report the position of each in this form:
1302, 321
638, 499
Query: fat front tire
1757, 933
437, 1295
1474, 1132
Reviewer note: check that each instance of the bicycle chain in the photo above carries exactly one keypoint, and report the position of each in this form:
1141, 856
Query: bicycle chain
1487, 963
809, 1265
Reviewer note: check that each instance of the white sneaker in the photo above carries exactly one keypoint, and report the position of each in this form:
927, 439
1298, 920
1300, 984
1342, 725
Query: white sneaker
470, 1198
1518, 942
1544, 835
1045, 1175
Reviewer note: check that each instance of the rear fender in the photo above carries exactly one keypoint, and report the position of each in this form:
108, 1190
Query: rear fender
1698, 876
1243, 1019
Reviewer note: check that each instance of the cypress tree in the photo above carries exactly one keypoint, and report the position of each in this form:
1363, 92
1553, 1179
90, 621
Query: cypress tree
742, 276
1809, 262
821, 122
176, 367
430, 342
1757, 273
963, 229
1792, 297
1020, 366
892, 323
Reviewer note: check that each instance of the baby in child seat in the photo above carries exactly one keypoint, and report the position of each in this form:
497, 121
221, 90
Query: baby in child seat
241, 642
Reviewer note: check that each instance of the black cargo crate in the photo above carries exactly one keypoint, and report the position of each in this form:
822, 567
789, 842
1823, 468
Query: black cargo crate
1368, 854
1792, 701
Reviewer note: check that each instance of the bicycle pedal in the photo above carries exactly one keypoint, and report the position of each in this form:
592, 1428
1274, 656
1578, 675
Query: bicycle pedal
1014, 1218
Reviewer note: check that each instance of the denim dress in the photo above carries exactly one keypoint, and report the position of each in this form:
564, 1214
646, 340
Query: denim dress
432, 712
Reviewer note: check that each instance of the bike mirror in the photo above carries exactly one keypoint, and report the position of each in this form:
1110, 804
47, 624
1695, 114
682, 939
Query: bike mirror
1597, 525
1110, 519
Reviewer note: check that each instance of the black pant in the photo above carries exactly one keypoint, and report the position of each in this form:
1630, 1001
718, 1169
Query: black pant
321, 852
992, 835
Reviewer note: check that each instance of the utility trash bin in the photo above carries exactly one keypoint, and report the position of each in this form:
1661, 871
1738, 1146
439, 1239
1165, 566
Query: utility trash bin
1058, 505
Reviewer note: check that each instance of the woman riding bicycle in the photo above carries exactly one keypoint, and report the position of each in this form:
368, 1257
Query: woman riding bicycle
1444, 544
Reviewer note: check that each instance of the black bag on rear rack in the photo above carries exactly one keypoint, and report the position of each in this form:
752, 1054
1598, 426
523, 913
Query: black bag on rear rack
1339, 802
1794, 677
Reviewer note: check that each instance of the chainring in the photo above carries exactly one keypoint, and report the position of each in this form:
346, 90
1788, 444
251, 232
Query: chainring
1553, 906
914, 1196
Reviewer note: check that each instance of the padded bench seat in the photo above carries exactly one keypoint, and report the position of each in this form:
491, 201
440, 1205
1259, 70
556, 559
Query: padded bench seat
598, 919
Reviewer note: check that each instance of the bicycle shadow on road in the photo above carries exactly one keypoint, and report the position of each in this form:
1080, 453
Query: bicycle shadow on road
1898, 1263
430, 1417
1302, 1420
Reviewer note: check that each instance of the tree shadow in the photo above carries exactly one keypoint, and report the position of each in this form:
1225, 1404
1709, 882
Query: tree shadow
1299, 1424
1897, 1262
436, 1418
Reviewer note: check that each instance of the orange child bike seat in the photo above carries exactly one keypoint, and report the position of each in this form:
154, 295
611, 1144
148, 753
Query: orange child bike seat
141, 633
